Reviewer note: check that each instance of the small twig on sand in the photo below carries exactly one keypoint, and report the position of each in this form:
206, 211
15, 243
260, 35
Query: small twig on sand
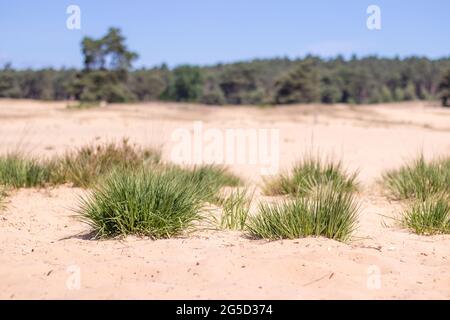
323, 277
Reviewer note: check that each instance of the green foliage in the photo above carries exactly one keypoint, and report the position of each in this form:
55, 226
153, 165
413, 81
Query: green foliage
410, 92
211, 177
299, 86
18, 171
429, 216
444, 89
239, 84
386, 95
185, 84
327, 212
148, 84
399, 94
235, 210
427, 186
108, 75
101, 85
106, 64
82, 167
110, 48
155, 201
211, 93
330, 88
419, 179
85, 166
213, 97
10, 83
157, 205
310, 173
45, 84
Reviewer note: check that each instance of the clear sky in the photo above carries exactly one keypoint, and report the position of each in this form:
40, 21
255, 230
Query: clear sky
34, 34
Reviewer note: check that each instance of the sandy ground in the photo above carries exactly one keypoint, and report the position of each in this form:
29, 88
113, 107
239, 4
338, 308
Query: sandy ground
47, 253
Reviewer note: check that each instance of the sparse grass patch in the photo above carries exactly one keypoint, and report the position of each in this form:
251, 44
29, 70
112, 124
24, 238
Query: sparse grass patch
308, 174
84, 166
154, 204
235, 210
18, 171
82, 105
429, 216
419, 179
327, 212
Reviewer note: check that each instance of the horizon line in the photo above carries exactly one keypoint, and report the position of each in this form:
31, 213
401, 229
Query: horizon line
346, 57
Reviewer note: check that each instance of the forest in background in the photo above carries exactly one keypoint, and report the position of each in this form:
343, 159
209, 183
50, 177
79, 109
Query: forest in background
108, 75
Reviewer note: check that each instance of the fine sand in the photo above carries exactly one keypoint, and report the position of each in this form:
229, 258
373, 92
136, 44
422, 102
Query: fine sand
46, 253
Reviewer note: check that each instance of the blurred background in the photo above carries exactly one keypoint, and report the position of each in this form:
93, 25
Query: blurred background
225, 52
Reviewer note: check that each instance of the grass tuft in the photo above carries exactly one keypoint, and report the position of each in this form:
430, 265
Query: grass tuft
83, 167
419, 179
154, 204
235, 210
427, 185
308, 174
430, 216
17, 171
328, 212
159, 202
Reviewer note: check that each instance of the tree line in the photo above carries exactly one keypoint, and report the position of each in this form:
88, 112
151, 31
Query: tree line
107, 75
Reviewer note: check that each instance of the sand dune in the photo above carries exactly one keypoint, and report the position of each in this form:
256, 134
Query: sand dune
44, 246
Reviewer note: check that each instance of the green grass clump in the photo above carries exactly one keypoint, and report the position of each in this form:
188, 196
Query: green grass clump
18, 171
211, 178
84, 166
159, 201
154, 204
308, 174
326, 212
235, 210
427, 186
430, 216
419, 179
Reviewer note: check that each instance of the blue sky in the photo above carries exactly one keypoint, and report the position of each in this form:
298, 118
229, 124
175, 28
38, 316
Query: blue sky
34, 34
